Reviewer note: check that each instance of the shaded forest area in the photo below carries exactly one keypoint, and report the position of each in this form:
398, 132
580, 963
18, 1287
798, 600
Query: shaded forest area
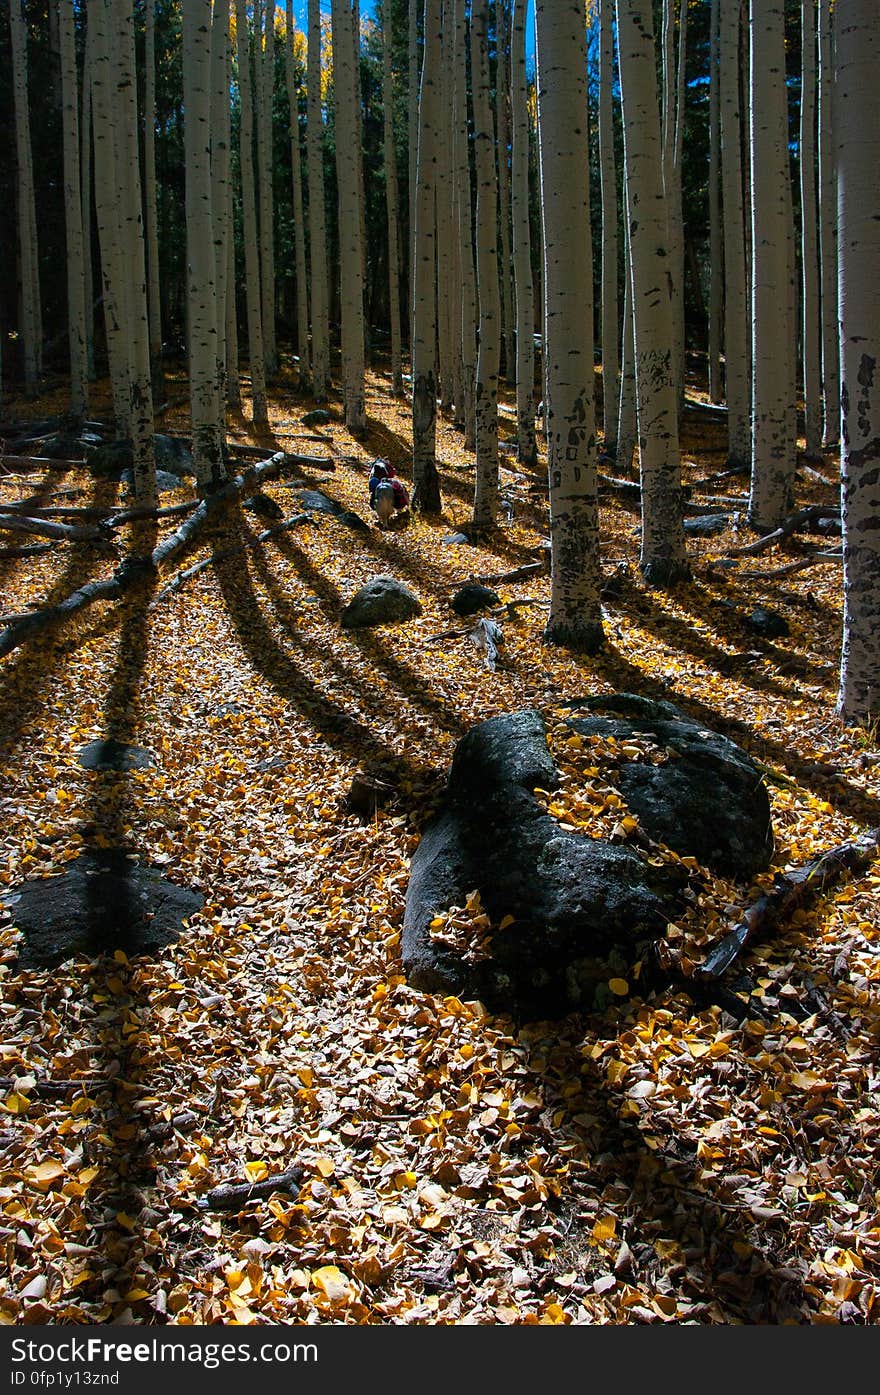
612, 323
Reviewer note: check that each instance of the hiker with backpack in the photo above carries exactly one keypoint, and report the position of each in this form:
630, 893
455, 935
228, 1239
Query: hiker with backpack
387, 493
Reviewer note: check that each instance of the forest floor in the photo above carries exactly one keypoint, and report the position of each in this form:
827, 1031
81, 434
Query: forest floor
654, 1162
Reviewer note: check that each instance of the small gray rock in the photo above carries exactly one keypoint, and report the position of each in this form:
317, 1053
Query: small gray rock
704, 525
383, 601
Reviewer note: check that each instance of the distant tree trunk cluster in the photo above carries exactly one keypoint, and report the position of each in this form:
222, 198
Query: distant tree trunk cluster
486, 193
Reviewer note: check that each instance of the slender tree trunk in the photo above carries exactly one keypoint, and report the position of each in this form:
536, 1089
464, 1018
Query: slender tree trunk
233, 381
489, 350
774, 425
391, 202
811, 341
414, 8
426, 481
736, 331
252, 282
201, 248
663, 558
608, 176
137, 327
464, 229
86, 202
76, 301
150, 215
264, 83
673, 121
317, 219
527, 447
31, 333
502, 91
627, 429
443, 214
348, 174
109, 214
828, 233
716, 261
575, 618
299, 227
220, 135
449, 186
857, 111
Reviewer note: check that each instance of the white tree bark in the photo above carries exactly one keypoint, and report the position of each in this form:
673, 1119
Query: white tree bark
220, 133
317, 217
608, 178
527, 448
663, 558
299, 226
253, 293
426, 481
857, 111
233, 380
828, 233
86, 201
351, 258
575, 618
716, 260
76, 298
108, 214
391, 202
811, 341
489, 343
627, 427
774, 425
736, 323
502, 97
31, 332
201, 249
264, 83
673, 130
128, 187
151, 225
446, 337
464, 229
414, 9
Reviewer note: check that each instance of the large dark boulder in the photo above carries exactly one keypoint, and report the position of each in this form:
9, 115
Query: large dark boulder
696, 791
172, 455
383, 601
573, 906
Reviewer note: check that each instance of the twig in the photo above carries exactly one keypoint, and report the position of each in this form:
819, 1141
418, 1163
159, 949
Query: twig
231, 1196
530, 569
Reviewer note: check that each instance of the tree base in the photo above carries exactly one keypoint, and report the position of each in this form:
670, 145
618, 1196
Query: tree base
665, 572
581, 636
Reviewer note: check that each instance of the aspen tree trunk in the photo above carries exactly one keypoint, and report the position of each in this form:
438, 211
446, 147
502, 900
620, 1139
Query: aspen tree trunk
414, 8
220, 136
108, 215
233, 381
201, 248
489, 343
663, 558
426, 481
86, 202
264, 82
464, 228
774, 426
348, 176
828, 234
736, 323
150, 216
608, 178
391, 202
527, 447
811, 343
502, 92
299, 227
137, 323
716, 265
450, 195
31, 333
673, 115
359, 146
627, 429
857, 125
317, 219
76, 300
443, 214
575, 618
252, 282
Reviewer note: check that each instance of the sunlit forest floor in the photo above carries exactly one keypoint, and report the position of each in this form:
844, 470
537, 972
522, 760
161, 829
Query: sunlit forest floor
656, 1162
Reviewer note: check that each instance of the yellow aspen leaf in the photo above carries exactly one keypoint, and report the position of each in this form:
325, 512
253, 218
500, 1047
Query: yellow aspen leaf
604, 1229
257, 1170
326, 1166
619, 987
333, 1284
43, 1174
16, 1103
88, 1175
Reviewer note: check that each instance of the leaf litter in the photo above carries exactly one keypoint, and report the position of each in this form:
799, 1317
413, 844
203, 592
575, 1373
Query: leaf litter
655, 1161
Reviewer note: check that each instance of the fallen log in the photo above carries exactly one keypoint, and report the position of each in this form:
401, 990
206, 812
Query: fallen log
788, 894
795, 521
189, 572
231, 1196
11, 554
800, 565
46, 528
530, 569
134, 569
41, 462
